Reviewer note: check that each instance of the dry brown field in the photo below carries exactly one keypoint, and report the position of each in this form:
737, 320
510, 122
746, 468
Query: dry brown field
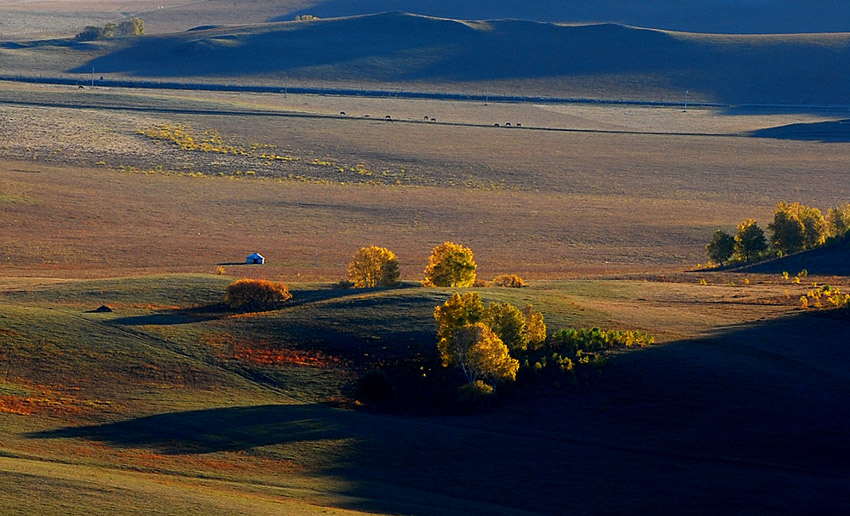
62, 18
85, 194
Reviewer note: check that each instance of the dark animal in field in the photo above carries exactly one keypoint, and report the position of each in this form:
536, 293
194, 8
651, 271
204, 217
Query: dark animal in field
342, 113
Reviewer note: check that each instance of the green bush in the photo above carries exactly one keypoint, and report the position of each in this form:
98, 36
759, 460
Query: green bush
573, 340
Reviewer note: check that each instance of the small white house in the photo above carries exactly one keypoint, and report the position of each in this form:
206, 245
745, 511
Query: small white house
255, 258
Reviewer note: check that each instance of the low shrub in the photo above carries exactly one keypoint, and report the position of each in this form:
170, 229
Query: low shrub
475, 395
343, 284
572, 340
509, 281
256, 295
373, 388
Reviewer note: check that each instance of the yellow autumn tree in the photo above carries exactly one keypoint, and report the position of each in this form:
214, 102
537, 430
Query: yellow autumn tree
535, 328
450, 265
519, 330
374, 266
479, 353
456, 312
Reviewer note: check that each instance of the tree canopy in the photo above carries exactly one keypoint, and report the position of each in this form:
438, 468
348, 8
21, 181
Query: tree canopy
796, 227
374, 267
450, 265
749, 241
721, 247
480, 353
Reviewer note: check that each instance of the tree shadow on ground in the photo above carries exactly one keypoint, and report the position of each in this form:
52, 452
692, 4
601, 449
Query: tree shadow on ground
212, 430
215, 311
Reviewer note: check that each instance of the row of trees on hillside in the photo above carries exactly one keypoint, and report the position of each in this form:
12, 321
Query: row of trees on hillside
449, 265
795, 227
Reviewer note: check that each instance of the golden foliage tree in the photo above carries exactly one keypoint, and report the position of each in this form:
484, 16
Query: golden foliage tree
535, 328
480, 353
518, 329
456, 312
374, 267
796, 227
509, 324
256, 295
838, 221
450, 265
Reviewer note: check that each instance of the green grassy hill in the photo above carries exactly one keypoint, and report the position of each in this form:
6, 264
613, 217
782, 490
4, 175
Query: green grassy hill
172, 399
396, 50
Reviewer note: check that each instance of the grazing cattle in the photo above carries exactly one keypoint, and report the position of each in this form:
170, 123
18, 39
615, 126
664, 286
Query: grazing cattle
518, 124
342, 113
433, 119
507, 124
365, 116
495, 125
426, 117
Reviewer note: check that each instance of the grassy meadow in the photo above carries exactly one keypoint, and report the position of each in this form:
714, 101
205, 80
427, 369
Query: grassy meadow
148, 202
171, 398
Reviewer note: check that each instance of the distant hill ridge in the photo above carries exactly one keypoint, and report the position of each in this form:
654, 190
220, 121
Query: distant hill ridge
403, 48
706, 16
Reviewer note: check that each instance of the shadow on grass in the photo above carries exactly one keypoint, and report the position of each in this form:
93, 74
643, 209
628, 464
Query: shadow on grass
212, 430
217, 311
751, 419
836, 131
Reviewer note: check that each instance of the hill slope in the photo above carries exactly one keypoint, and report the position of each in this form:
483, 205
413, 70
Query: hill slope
608, 61
713, 16
47, 19
159, 402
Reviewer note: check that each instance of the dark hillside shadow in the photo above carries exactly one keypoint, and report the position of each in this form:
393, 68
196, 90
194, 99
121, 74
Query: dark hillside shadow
170, 317
212, 430
749, 420
395, 47
827, 132
720, 17
832, 260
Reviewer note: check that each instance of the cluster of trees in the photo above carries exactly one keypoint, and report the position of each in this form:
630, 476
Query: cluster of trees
494, 343
795, 227
134, 27
486, 343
